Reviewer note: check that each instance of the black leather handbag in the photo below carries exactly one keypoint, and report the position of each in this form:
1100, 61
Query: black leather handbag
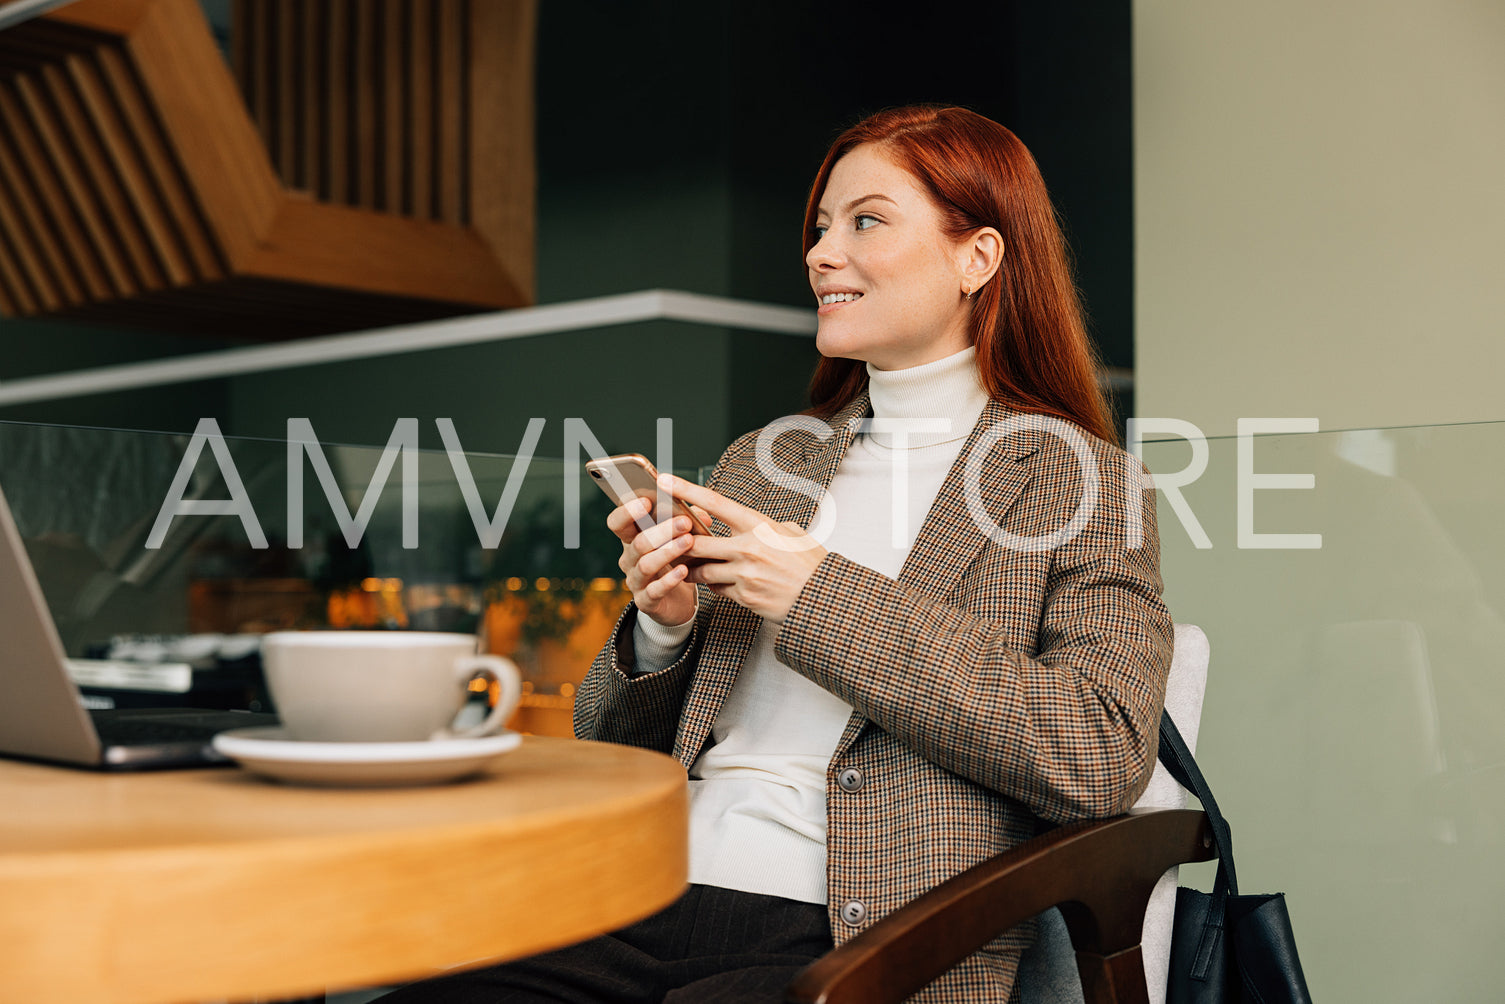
1226, 947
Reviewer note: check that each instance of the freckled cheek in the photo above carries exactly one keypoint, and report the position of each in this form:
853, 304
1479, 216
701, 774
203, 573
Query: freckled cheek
880, 265
909, 267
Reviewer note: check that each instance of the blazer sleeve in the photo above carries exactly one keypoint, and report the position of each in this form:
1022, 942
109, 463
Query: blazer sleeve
616, 705
1070, 729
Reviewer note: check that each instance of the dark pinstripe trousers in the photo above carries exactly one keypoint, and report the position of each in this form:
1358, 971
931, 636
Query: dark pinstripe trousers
712, 946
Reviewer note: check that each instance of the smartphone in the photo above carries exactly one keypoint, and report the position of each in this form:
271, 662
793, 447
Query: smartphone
631, 475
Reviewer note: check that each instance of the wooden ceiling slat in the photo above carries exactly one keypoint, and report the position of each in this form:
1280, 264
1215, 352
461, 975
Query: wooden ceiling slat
41, 261
13, 300
66, 163
58, 230
334, 146
253, 30
19, 268
122, 154
285, 151
161, 167
449, 110
241, 49
99, 173
418, 199
305, 57
390, 53
206, 123
364, 150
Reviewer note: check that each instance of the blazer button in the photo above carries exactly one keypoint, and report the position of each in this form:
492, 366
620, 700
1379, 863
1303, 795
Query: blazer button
849, 779
854, 912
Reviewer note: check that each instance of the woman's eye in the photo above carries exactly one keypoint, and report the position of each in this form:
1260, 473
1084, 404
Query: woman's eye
819, 233
870, 219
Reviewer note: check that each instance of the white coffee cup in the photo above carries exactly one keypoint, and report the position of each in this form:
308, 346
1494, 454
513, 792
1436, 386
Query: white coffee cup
381, 686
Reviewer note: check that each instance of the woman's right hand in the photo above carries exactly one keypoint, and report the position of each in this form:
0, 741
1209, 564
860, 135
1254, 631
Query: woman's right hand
658, 584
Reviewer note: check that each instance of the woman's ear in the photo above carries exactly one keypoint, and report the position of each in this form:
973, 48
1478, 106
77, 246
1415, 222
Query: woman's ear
981, 255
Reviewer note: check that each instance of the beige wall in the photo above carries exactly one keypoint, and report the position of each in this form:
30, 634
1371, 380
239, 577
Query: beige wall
1320, 232
1320, 211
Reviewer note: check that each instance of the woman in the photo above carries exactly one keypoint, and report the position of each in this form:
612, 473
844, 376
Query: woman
930, 617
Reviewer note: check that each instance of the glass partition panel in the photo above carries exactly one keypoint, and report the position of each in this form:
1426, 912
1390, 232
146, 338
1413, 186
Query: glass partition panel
1354, 726
130, 558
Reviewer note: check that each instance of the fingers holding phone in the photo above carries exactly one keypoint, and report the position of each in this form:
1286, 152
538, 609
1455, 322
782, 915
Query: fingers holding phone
761, 564
652, 562
653, 553
635, 516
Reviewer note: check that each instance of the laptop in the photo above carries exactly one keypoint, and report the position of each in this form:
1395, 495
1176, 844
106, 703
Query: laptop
41, 715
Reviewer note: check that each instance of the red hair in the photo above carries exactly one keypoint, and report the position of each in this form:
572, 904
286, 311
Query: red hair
1032, 348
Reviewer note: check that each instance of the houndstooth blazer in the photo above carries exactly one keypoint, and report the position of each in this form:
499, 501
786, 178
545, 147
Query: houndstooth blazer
998, 683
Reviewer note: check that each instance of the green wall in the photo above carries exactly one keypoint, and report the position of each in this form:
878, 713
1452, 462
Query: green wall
676, 142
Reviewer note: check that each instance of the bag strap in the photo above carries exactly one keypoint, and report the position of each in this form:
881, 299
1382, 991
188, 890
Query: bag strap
1183, 767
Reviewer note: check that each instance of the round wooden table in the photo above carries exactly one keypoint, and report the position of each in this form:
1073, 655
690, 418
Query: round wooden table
211, 884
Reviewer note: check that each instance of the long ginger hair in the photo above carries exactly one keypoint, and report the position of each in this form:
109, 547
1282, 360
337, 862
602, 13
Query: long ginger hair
1033, 353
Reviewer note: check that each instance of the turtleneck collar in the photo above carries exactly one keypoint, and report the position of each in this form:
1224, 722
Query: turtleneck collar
946, 388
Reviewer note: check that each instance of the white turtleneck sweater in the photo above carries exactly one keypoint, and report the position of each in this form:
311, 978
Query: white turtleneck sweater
757, 792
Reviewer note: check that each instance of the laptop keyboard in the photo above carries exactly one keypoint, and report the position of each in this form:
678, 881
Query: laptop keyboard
126, 729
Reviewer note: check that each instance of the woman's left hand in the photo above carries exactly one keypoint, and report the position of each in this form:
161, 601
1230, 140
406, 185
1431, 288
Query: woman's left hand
763, 565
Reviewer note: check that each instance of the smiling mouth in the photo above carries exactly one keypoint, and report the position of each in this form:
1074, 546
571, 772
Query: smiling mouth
831, 298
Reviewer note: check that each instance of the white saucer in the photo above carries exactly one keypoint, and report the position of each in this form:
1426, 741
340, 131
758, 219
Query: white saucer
270, 753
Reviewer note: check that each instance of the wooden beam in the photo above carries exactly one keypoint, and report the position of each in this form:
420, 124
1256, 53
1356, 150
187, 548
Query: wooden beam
381, 253
136, 181
503, 179
108, 17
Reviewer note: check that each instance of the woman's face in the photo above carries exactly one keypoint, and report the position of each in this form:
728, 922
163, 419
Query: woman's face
880, 242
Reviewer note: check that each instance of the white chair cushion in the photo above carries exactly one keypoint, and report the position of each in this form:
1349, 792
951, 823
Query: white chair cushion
1048, 972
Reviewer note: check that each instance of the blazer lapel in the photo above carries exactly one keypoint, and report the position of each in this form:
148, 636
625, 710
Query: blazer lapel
815, 465
731, 634
950, 537
953, 533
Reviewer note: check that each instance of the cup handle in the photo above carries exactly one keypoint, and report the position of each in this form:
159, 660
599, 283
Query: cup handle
509, 681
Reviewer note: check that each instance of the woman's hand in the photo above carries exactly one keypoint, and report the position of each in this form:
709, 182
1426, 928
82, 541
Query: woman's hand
763, 565
659, 585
